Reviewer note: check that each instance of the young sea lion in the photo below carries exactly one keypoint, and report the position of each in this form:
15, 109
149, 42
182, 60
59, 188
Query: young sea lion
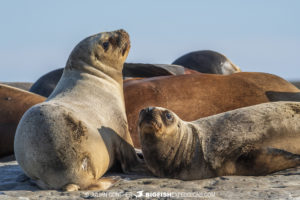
255, 140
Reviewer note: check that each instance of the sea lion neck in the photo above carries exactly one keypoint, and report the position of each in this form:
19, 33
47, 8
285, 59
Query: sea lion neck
182, 157
101, 71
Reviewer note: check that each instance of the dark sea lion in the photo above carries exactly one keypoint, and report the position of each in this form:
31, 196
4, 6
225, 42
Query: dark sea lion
194, 96
207, 61
255, 140
46, 84
81, 131
144, 70
297, 84
13, 104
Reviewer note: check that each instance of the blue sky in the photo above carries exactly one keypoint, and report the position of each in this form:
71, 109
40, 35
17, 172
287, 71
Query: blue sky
38, 36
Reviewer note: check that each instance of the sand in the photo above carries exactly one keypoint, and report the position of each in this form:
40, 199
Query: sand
280, 185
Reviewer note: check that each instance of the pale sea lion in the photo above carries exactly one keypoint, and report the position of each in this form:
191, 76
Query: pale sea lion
207, 61
13, 104
72, 139
193, 96
255, 140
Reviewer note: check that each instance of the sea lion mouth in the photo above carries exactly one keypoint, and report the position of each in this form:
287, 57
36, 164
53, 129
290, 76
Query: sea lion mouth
148, 120
150, 126
125, 49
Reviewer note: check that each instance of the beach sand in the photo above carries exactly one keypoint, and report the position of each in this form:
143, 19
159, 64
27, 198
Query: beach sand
280, 185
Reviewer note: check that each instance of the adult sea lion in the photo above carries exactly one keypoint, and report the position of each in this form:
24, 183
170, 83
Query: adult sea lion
13, 104
45, 85
207, 61
255, 140
21, 85
194, 96
81, 131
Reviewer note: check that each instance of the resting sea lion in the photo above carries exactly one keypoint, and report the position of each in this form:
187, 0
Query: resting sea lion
21, 85
81, 131
255, 140
46, 84
207, 61
199, 95
13, 104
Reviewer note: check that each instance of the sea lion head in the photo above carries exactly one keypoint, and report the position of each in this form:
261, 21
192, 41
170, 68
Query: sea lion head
160, 134
101, 50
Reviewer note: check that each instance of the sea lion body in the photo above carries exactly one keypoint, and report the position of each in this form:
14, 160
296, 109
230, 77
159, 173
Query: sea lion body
194, 96
45, 85
21, 85
255, 140
207, 61
72, 139
13, 104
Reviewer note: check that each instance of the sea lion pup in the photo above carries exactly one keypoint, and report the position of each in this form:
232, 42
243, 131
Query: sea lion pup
255, 140
72, 139
207, 61
13, 104
194, 96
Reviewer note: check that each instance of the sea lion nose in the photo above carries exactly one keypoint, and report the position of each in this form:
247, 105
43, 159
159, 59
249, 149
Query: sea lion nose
149, 109
146, 111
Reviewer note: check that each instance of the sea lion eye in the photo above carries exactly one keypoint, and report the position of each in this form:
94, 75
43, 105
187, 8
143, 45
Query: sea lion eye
105, 45
169, 116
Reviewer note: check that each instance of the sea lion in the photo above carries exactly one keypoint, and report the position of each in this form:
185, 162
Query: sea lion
194, 96
46, 83
207, 61
143, 70
81, 131
255, 140
21, 85
13, 104
297, 84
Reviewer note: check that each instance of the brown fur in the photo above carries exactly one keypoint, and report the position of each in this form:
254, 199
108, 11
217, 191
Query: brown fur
190, 96
199, 95
13, 104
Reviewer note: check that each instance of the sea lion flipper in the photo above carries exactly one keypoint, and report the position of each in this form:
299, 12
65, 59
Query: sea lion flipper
266, 160
104, 183
71, 187
130, 161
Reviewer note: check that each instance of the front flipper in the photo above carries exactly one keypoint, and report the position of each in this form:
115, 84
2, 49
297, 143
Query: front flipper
102, 184
130, 162
265, 161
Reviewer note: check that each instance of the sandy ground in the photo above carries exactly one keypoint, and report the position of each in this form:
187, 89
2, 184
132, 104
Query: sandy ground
281, 185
